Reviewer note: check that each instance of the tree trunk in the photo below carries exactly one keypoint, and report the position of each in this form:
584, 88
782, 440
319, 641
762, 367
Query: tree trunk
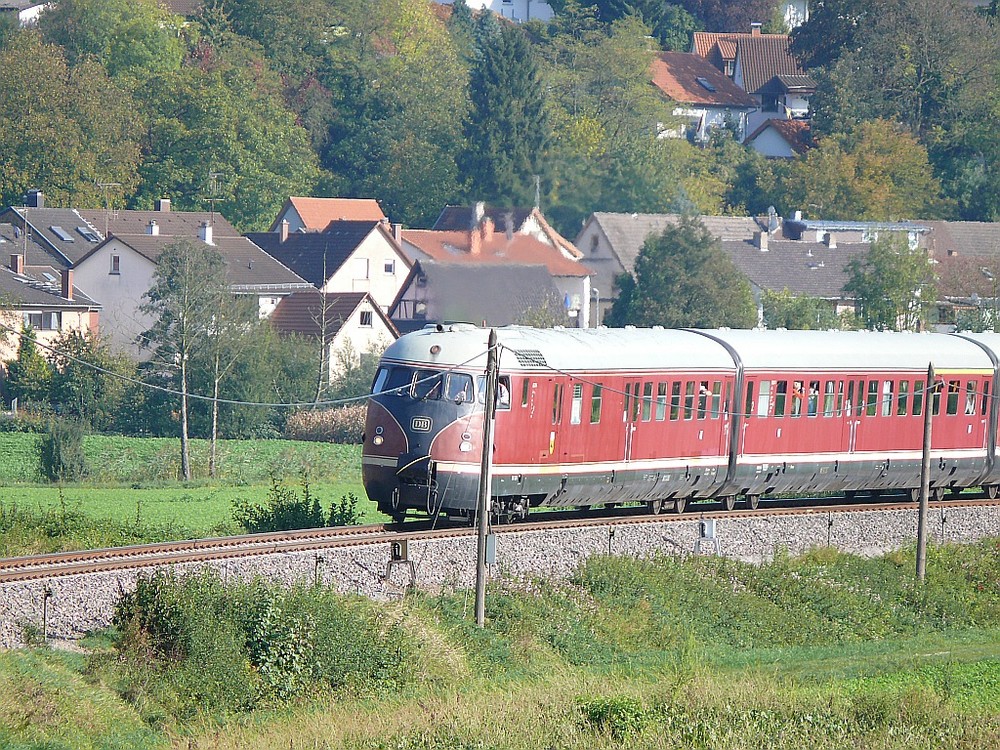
215, 422
185, 447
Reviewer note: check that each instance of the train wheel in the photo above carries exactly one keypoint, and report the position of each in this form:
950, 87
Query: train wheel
753, 502
937, 494
913, 494
655, 506
991, 491
729, 502
679, 504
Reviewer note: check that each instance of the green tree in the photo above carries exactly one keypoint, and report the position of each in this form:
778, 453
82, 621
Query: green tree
29, 376
507, 130
188, 287
62, 129
683, 278
786, 309
88, 382
130, 38
893, 285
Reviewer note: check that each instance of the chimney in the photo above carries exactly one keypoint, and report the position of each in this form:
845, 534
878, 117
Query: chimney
17, 263
153, 228
205, 233
508, 224
34, 199
283, 230
760, 241
830, 240
487, 229
162, 205
755, 28
475, 242
478, 212
397, 232
797, 216
67, 283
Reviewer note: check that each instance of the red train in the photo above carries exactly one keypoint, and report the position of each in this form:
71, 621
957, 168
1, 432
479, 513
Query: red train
603, 416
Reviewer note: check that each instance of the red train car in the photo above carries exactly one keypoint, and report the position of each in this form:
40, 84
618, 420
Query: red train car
591, 417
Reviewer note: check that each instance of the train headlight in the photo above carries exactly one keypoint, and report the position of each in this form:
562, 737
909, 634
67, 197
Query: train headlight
465, 446
377, 440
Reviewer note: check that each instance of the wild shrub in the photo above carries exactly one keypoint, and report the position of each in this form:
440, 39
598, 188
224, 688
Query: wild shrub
344, 512
286, 509
344, 424
621, 716
61, 451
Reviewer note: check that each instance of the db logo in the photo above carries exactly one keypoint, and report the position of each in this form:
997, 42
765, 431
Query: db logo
421, 424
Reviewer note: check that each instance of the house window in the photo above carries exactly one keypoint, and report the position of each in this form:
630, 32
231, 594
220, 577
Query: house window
43, 321
390, 267
769, 102
115, 264
366, 318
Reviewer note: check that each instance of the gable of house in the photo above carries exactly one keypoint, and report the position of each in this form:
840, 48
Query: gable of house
308, 214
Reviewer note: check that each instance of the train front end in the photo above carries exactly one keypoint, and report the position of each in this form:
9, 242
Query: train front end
423, 430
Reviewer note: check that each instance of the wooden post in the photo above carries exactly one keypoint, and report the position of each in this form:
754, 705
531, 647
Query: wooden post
483, 501
925, 476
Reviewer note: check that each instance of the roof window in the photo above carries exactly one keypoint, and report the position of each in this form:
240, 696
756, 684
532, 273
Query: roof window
706, 84
88, 234
62, 234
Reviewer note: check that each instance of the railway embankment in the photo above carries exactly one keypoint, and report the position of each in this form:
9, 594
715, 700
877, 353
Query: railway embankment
66, 606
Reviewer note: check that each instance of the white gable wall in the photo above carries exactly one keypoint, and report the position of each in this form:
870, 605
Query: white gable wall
517, 10
368, 270
354, 340
769, 143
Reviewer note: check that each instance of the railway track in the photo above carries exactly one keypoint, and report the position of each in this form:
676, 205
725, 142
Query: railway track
38, 567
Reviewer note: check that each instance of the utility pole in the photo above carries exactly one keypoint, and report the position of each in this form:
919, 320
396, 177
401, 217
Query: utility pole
483, 505
925, 476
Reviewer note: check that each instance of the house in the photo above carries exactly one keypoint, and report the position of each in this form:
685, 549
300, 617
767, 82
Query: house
347, 256
720, 48
515, 10
305, 214
437, 292
121, 269
52, 306
838, 231
966, 257
780, 139
351, 325
766, 69
610, 243
23, 13
527, 221
485, 248
706, 98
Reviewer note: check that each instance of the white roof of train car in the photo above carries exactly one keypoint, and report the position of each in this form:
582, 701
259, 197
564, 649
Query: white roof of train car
636, 349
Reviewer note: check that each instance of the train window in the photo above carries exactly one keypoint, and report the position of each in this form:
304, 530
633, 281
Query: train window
828, 397
595, 404
986, 397
525, 390
812, 405
886, 398
576, 407
935, 391
503, 391
628, 401
850, 397
661, 402
859, 408
426, 385
918, 397
954, 388
797, 396
703, 394
675, 401
398, 382
764, 397
902, 397
380, 377
780, 394
647, 401
840, 398
635, 402
716, 399
689, 400
557, 404
970, 397
458, 387
749, 401
872, 409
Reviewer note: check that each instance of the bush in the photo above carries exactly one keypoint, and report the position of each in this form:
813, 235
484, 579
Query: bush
62, 451
342, 425
285, 509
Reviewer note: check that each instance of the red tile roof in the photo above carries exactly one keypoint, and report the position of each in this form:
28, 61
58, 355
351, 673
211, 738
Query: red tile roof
677, 75
763, 57
718, 46
317, 213
795, 132
454, 247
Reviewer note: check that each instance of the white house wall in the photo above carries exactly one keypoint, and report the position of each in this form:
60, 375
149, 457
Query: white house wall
769, 143
517, 10
365, 271
577, 290
357, 339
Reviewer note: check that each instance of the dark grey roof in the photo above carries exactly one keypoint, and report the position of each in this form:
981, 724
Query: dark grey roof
176, 223
967, 238
13, 242
302, 312
499, 294
71, 239
32, 290
809, 268
248, 268
316, 256
460, 218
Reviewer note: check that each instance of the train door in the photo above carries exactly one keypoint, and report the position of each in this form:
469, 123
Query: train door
630, 415
853, 408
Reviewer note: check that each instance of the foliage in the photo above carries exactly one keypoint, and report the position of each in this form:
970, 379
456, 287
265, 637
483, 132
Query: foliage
344, 424
199, 643
670, 23
892, 284
507, 129
785, 309
61, 451
683, 278
284, 509
62, 128
344, 512
29, 376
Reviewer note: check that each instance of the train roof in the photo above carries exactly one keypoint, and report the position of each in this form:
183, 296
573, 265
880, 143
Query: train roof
637, 349
576, 349
852, 350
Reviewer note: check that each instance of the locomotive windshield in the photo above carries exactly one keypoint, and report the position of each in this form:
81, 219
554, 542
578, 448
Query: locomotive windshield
423, 385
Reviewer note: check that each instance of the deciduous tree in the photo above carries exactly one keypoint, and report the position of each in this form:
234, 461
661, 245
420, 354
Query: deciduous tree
29, 375
893, 285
